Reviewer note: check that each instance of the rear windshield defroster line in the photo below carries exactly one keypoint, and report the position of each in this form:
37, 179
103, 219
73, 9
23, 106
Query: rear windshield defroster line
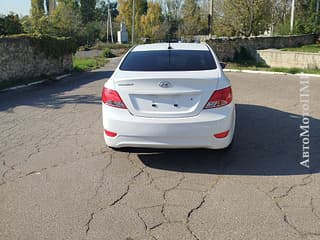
169, 60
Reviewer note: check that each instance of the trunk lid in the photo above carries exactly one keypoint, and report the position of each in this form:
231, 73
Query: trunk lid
166, 94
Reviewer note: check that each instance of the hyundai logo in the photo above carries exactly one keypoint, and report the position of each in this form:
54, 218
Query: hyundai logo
164, 84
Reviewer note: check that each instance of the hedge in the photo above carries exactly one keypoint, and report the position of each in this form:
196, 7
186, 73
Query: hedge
51, 46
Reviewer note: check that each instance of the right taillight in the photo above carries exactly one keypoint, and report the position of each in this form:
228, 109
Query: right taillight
111, 98
220, 98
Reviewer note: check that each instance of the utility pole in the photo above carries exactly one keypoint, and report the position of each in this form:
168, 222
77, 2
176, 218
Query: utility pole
210, 18
292, 16
109, 23
132, 31
317, 13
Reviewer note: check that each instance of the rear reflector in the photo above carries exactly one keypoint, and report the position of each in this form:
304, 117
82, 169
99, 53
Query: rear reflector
111, 98
222, 134
220, 98
110, 134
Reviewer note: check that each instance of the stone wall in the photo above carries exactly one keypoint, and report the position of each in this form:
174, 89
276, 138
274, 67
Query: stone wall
277, 58
228, 48
20, 60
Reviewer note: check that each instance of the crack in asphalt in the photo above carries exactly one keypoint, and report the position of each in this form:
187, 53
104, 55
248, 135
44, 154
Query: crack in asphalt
295, 186
101, 183
87, 225
196, 208
199, 206
3, 177
284, 214
116, 201
31, 173
313, 209
141, 170
121, 197
157, 225
166, 191
144, 223
285, 219
300, 232
102, 178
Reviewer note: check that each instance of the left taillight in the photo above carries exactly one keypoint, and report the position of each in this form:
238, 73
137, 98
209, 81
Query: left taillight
112, 98
220, 98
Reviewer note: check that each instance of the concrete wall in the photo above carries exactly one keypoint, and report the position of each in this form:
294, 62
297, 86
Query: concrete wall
19, 60
277, 58
227, 48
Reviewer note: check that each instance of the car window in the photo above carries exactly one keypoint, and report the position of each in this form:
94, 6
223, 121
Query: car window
169, 60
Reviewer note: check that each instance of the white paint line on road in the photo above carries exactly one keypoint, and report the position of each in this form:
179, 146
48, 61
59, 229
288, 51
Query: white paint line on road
63, 76
35, 83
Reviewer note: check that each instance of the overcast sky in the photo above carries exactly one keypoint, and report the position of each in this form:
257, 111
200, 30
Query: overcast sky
21, 7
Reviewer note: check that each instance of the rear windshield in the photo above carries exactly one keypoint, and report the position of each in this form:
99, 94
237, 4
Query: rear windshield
169, 60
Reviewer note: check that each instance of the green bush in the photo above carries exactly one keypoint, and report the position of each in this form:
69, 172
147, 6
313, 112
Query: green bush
107, 53
54, 46
86, 64
244, 56
10, 24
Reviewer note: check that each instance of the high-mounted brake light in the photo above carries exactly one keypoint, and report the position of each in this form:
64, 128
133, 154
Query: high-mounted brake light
220, 98
111, 98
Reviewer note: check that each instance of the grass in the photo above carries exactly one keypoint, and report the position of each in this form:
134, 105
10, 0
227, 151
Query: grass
272, 69
87, 64
313, 48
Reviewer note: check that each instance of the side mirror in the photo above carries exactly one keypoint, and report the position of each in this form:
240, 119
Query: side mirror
223, 65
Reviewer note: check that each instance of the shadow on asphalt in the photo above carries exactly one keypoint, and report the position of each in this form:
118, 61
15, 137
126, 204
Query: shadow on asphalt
266, 143
50, 94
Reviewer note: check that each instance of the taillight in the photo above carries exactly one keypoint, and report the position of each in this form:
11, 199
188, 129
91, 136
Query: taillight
110, 134
220, 98
222, 134
112, 98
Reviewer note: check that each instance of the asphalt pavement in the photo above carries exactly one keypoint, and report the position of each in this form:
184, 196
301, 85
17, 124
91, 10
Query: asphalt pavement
60, 181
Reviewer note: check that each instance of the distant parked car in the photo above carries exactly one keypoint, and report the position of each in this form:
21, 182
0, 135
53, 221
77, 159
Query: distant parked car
168, 96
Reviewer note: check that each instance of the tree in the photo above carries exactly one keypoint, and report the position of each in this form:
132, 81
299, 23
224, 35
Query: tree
50, 6
37, 8
39, 22
243, 17
10, 24
102, 10
204, 13
102, 16
87, 8
125, 14
172, 12
280, 10
191, 18
305, 17
151, 22
66, 18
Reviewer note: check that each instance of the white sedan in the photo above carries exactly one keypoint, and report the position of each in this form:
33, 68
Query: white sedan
168, 96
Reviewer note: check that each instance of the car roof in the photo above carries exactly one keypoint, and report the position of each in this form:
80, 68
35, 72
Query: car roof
174, 46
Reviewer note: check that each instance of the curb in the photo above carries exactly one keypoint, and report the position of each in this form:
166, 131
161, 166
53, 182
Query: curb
58, 78
275, 73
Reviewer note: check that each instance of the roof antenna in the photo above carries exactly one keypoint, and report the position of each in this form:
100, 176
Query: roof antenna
169, 47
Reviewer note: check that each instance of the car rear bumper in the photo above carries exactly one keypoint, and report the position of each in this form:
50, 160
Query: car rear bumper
190, 132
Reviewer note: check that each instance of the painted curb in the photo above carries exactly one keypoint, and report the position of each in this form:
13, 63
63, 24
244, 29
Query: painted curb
58, 78
275, 73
